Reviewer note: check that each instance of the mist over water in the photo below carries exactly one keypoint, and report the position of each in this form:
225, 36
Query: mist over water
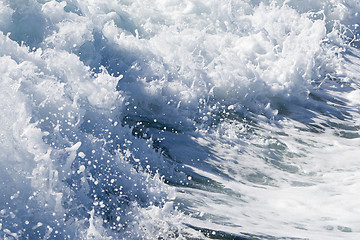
176, 119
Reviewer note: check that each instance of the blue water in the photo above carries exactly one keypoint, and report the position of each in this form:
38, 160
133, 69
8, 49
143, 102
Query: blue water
176, 119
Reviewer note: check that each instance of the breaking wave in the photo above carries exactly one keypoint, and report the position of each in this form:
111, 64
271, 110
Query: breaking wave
171, 119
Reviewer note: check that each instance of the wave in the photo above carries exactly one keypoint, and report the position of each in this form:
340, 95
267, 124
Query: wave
179, 119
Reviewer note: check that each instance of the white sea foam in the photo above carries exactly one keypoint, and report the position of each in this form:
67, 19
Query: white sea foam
179, 119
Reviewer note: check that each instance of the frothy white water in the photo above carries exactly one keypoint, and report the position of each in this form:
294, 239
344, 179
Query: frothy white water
179, 119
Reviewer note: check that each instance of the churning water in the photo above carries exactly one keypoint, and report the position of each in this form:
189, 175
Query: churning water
179, 119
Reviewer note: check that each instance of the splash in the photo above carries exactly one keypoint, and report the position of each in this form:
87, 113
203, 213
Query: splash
179, 119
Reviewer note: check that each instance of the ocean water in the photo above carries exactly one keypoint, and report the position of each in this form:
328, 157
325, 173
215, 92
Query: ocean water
169, 119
